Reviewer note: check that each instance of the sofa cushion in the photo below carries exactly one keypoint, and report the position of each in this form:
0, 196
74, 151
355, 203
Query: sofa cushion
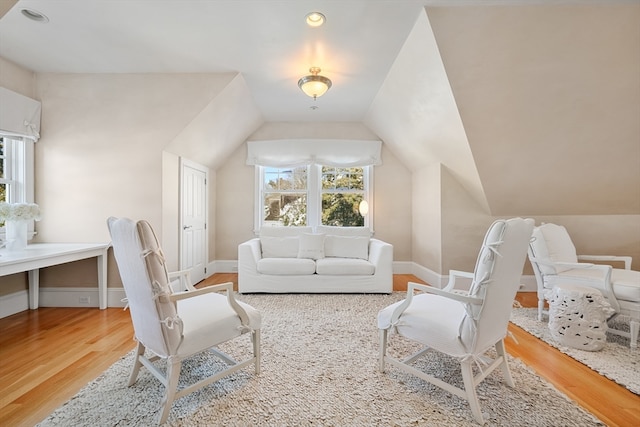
279, 247
280, 231
552, 242
344, 267
347, 246
311, 246
286, 266
343, 231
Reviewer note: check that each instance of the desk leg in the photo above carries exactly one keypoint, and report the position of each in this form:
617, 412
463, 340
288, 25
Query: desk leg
102, 280
34, 288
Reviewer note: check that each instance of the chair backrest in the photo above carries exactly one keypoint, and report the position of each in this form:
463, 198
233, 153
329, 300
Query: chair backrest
496, 279
551, 243
146, 284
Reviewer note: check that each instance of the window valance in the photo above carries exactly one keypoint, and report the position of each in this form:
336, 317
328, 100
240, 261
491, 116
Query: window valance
19, 115
300, 152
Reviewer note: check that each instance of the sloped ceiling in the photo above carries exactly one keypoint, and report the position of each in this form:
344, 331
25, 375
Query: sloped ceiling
549, 96
222, 126
416, 115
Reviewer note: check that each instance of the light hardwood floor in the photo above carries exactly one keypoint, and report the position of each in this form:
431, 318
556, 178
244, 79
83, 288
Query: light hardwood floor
49, 354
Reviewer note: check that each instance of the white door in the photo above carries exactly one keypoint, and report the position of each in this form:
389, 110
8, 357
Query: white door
193, 219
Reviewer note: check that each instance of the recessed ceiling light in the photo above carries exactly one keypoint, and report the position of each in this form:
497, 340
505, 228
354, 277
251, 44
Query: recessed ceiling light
315, 19
34, 15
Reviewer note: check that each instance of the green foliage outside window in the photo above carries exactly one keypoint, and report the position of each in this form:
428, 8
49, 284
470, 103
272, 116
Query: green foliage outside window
285, 196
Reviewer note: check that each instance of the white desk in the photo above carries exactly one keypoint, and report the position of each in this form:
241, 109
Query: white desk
40, 255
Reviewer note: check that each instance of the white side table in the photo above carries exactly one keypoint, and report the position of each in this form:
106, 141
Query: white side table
578, 316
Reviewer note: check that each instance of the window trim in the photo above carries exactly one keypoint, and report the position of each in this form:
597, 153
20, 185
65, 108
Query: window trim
314, 195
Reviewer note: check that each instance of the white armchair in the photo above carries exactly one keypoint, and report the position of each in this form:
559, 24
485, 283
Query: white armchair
554, 261
464, 325
176, 325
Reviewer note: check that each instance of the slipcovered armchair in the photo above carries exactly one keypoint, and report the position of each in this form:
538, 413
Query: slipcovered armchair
176, 325
554, 261
465, 325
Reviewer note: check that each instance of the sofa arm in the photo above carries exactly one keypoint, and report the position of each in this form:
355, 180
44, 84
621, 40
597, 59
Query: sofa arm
249, 253
381, 255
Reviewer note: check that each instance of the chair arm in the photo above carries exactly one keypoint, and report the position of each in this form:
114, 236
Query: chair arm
562, 264
453, 275
185, 279
227, 287
430, 289
444, 293
626, 259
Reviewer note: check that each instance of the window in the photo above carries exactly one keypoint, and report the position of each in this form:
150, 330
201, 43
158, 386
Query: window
284, 198
311, 195
342, 192
16, 170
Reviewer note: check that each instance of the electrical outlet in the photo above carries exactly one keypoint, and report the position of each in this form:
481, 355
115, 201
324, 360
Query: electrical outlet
234, 268
84, 300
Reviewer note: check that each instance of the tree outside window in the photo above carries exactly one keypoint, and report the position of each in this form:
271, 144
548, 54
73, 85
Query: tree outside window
285, 196
342, 192
312, 195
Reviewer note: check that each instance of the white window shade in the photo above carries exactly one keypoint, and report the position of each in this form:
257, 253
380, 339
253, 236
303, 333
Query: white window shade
300, 152
19, 115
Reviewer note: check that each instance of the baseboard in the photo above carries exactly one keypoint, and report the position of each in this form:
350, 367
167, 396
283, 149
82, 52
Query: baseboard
14, 303
79, 297
222, 266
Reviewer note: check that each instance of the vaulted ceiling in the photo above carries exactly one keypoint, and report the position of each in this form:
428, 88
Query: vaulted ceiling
534, 106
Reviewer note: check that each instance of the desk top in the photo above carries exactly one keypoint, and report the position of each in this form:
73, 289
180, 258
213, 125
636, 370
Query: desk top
42, 253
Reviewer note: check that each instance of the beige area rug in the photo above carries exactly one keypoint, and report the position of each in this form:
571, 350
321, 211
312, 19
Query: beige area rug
319, 369
616, 361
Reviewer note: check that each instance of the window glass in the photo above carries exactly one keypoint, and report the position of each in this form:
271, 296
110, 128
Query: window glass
342, 192
310, 196
285, 196
3, 184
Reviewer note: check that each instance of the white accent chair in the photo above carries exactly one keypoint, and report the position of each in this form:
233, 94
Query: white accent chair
554, 261
176, 325
464, 325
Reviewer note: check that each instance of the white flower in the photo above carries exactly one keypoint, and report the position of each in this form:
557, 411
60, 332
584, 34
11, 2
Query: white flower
19, 211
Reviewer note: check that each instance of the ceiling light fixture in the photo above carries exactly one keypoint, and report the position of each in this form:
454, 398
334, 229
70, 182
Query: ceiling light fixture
314, 85
34, 15
315, 19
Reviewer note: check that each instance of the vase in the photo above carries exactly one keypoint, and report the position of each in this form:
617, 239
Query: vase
16, 235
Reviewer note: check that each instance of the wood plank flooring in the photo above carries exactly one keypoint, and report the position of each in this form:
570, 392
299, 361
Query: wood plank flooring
49, 354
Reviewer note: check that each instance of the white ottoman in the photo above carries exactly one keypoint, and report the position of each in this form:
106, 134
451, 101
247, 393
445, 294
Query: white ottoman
578, 316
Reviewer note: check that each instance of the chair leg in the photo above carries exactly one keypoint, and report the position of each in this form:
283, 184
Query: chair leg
506, 372
634, 328
383, 348
540, 308
470, 389
173, 374
255, 338
136, 364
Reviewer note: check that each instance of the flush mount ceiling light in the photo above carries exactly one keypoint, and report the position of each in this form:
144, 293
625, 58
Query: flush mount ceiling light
34, 15
315, 19
314, 85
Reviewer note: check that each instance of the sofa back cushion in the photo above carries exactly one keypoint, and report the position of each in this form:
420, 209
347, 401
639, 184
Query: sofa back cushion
279, 247
283, 231
551, 242
347, 247
281, 242
343, 231
346, 242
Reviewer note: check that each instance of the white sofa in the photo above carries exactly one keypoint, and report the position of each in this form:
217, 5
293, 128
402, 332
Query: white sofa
331, 260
